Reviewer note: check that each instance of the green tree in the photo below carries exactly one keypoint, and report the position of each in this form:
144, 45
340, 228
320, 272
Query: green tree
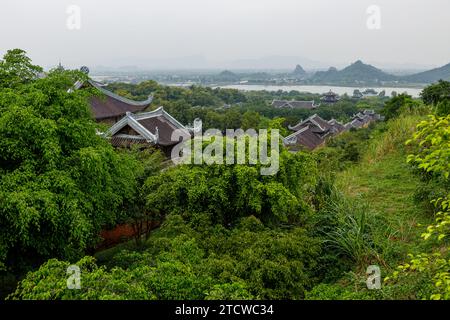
443, 108
16, 68
394, 106
60, 182
435, 93
228, 192
250, 120
250, 261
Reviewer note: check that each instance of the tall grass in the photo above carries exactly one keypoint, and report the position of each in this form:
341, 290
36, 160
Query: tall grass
361, 221
348, 225
393, 139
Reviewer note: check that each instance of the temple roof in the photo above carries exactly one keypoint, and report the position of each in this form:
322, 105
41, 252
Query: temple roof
294, 104
306, 137
337, 126
330, 97
330, 93
155, 127
111, 105
314, 119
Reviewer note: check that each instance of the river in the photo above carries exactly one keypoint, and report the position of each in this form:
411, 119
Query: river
320, 89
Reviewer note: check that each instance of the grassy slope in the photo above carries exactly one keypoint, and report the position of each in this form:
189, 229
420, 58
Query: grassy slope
388, 187
385, 181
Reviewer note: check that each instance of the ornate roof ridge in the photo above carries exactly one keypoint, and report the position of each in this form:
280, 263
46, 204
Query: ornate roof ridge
158, 112
117, 97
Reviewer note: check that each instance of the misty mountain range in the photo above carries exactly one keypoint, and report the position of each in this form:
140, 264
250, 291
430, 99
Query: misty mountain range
266, 63
357, 73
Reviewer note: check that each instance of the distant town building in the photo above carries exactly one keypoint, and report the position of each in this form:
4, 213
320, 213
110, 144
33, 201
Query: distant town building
370, 93
357, 94
330, 97
294, 104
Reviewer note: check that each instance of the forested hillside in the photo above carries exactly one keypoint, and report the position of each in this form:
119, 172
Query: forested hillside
374, 196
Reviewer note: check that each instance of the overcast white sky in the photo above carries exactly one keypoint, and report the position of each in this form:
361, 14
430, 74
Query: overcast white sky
213, 33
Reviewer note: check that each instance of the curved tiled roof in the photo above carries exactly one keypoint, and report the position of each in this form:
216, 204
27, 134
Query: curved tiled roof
155, 126
110, 105
119, 98
315, 119
306, 137
294, 104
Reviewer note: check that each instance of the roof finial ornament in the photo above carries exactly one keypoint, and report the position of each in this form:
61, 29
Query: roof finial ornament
197, 125
157, 134
84, 69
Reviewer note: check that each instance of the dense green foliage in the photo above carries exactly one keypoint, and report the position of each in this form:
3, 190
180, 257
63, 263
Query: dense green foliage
398, 104
227, 232
435, 93
438, 95
249, 261
59, 181
224, 193
433, 136
16, 69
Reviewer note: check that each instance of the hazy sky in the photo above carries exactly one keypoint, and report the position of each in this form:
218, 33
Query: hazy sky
215, 33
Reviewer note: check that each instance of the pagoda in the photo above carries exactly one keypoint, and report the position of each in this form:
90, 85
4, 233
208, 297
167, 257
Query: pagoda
330, 97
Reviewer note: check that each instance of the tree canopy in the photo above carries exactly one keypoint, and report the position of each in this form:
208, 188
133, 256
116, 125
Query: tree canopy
60, 182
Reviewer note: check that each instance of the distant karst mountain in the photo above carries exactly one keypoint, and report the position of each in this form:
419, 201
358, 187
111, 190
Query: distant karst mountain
357, 72
361, 73
227, 76
299, 71
429, 76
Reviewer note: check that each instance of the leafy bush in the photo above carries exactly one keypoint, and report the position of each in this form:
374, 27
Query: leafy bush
229, 192
433, 138
249, 261
59, 181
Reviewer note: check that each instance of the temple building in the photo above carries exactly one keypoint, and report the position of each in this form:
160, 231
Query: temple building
336, 126
314, 120
370, 93
309, 137
309, 133
109, 107
313, 132
363, 119
294, 104
154, 128
130, 124
330, 97
357, 94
